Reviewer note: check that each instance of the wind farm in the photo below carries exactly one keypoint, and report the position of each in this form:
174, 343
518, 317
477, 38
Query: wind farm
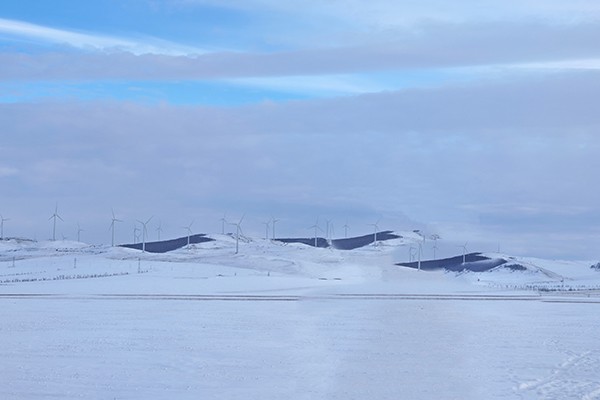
298, 200
269, 286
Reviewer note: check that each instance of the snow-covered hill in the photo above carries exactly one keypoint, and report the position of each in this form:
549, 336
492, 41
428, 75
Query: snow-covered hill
286, 264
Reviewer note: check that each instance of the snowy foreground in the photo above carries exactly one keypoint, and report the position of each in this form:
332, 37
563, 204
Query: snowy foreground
289, 321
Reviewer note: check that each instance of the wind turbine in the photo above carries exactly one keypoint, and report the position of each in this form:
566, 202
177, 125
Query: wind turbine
189, 231
136, 237
144, 232
464, 247
317, 228
274, 222
329, 228
112, 228
418, 232
79, 230
159, 229
55, 216
267, 225
346, 229
238, 227
223, 222
2, 219
435, 237
376, 227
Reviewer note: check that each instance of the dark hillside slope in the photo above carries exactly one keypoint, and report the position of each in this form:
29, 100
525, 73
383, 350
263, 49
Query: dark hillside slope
169, 245
475, 262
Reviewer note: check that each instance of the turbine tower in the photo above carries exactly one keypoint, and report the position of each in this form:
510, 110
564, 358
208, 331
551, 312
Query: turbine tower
267, 226
223, 222
346, 226
159, 229
112, 228
2, 219
435, 237
238, 229
330, 230
317, 228
189, 232
464, 247
418, 232
376, 228
79, 230
274, 222
55, 216
136, 237
144, 232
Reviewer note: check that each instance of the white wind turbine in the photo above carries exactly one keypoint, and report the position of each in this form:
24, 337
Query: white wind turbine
2, 219
330, 229
159, 229
223, 222
55, 216
274, 221
189, 232
376, 228
136, 236
464, 247
317, 228
267, 226
79, 230
238, 229
144, 232
418, 232
346, 226
112, 228
410, 253
435, 237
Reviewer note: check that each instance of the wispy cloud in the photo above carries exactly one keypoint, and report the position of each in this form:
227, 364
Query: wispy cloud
91, 41
356, 15
438, 46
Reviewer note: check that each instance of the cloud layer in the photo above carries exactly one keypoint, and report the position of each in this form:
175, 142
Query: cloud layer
491, 139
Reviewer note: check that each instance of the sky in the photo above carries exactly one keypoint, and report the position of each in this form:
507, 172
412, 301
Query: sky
473, 120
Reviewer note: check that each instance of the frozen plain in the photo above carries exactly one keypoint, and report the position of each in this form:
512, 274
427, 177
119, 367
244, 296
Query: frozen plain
288, 321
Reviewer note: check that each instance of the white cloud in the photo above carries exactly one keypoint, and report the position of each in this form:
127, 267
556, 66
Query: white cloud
438, 46
393, 13
90, 41
442, 154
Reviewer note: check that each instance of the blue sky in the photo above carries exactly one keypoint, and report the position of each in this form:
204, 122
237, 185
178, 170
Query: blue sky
475, 120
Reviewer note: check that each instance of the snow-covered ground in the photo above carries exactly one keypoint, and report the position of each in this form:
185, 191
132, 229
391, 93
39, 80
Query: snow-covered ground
289, 321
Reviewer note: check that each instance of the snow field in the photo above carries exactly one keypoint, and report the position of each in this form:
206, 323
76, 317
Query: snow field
287, 322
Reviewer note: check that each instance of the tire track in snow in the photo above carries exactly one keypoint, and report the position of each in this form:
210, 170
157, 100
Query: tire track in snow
281, 297
575, 378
